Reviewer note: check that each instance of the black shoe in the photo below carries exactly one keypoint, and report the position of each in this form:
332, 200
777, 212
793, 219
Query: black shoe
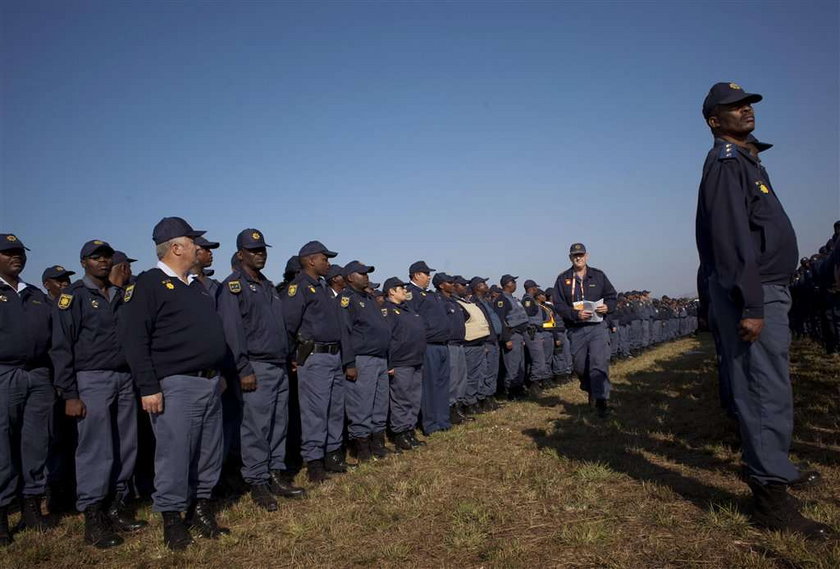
263, 497
60, 499
462, 411
5, 534
315, 471
534, 389
807, 479
122, 517
455, 418
377, 445
98, 530
402, 441
549, 383
334, 461
31, 516
202, 518
281, 483
415, 442
361, 449
774, 510
175, 534
603, 408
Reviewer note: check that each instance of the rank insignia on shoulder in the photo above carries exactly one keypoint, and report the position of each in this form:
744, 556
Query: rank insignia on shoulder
762, 187
727, 151
129, 292
345, 301
64, 301
292, 290
168, 284
312, 289
384, 312
500, 304
235, 287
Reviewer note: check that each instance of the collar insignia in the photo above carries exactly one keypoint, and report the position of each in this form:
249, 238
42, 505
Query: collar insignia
168, 284
94, 303
312, 289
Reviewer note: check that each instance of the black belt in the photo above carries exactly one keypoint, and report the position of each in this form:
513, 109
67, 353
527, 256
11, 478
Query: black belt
326, 348
205, 373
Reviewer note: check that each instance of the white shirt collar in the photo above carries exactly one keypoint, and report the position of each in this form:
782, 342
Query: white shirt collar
170, 273
417, 285
21, 285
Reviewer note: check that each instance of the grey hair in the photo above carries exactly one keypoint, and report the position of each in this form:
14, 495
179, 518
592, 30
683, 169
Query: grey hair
162, 249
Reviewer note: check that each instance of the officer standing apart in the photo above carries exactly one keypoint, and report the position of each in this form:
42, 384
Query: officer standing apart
589, 341
748, 251
315, 328
175, 345
366, 398
252, 314
92, 378
26, 392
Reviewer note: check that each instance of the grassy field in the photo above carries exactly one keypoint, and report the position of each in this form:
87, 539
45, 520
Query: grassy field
536, 484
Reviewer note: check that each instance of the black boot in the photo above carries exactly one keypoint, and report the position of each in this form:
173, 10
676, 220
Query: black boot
98, 530
807, 479
281, 484
361, 448
122, 517
377, 445
534, 389
30, 512
315, 471
774, 509
462, 410
263, 498
549, 383
603, 408
5, 534
334, 461
455, 417
415, 442
175, 534
402, 441
202, 518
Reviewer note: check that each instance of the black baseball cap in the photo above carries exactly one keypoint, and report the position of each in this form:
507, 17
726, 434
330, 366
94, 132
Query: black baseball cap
577, 248
93, 246
172, 227
506, 279
356, 267
374, 286
419, 267
315, 247
726, 94
476, 280
204, 243
392, 282
442, 278
459, 280
55, 272
10, 241
529, 283
292, 265
208, 272
335, 271
250, 239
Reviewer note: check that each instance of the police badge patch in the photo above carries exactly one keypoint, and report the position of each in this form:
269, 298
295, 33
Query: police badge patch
64, 301
129, 292
292, 290
235, 287
345, 301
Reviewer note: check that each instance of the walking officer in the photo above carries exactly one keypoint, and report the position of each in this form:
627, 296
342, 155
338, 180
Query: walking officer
252, 314
175, 345
93, 380
314, 325
515, 322
26, 391
589, 341
748, 252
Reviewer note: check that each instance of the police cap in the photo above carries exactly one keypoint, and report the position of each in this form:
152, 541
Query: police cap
10, 241
250, 239
172, 227
420, 267
120, 257
475, 281
55, 272
440, 278
204, 243
392, 282
726, 94
577, 248
529, 283
93, 246
506, 279
315, 247
356, 267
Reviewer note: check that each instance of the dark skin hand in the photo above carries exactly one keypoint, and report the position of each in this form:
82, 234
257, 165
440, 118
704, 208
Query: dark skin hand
248, 383
351, 374
750, 328
75, 408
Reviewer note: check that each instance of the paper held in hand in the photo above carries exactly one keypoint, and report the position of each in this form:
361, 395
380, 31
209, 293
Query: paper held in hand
590, 306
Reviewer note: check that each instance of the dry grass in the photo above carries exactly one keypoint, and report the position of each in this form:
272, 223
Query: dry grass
537, 484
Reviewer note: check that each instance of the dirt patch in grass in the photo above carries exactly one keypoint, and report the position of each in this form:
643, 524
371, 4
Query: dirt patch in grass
540, 483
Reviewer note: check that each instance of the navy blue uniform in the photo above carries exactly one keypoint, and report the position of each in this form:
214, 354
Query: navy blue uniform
514, 325
457, 356
748, 253
488, 387
406, 352
90, 365
26, 392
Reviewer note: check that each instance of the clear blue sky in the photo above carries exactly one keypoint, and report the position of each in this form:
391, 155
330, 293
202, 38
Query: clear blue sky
483, 137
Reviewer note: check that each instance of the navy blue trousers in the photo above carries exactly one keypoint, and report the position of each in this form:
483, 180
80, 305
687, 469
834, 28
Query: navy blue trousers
590, 346
514, 360
434, 403
321, 396
457, 374
406, 391
366, 399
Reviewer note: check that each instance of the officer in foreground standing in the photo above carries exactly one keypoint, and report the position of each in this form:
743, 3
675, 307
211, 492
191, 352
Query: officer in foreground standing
748, 253
589, 341
26, 392
252, 314
93, 380
175, 345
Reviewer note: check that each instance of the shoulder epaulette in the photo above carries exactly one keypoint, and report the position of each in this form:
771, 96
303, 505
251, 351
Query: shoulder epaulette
64, 301
728, 150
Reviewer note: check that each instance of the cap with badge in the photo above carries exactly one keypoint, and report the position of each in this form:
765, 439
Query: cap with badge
205, 243
56, 272
392, 282
577, 249
530, 284
727, 94
250, 239
10, 241
94, 246
120, 257
356, 267
172, 228
315, 247
420, 267
506, 279
441, 278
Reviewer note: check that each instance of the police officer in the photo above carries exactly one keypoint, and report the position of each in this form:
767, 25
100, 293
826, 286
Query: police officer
515, 323
252, 314
748, 251
366, 398
121, 275
432, 308
203, 260
589, 341
314, 325
55, 279
26, 392
476, 333
335, 279
538, 371
175, 346
487, 388
92, 378
406, 351
561, 361
445, 285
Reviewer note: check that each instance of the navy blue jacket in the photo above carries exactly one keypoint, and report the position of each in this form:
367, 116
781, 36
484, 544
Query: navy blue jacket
25, 327
252, 314
595, 286
432, 308
457, 319
169, 328
311, 311
408, 335
365, 322
503, 307
85, 334
744, 236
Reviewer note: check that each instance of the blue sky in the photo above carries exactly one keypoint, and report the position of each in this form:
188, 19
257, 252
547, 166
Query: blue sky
483, 137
